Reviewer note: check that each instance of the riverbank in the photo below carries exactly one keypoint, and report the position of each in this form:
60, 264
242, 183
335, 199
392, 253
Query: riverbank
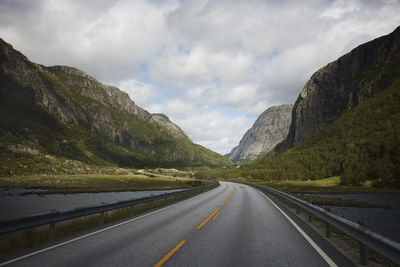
324, 186
90, 183
15, 203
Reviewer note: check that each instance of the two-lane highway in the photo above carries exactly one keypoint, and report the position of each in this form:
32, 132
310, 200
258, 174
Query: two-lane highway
231, 225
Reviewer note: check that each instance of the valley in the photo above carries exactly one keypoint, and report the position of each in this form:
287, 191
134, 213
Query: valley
80, 153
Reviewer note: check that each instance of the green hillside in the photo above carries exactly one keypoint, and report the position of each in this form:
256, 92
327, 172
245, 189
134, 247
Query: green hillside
52, 114
363, 144
363, 140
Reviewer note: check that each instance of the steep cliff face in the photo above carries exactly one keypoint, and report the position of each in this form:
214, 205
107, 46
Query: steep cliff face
270, 128
64, 111
341, 86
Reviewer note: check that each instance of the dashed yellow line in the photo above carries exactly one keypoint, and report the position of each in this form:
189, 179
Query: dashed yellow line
226, 202
208, 218
166, 257
228, 199
215, 216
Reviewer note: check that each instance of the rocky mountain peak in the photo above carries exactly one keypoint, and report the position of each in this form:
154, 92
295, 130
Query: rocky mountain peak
71, 71
269, 129
172, 128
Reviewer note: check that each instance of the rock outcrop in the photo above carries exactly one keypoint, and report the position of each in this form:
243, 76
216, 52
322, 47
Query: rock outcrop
270, 128
340, 86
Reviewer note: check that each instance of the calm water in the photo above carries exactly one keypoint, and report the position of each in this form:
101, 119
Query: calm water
14, 205
380, 220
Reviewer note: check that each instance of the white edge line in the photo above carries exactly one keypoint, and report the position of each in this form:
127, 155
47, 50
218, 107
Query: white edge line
312, 243
96, 232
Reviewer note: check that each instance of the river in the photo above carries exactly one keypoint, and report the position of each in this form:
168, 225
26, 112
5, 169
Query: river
15, 203
385, 221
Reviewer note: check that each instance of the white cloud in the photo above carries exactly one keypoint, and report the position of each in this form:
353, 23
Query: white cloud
340, 8
212, 66
179, 68
143, 94
105, 38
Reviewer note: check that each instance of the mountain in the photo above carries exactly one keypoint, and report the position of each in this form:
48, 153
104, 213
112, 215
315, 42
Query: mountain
63, 112
270, 128
341, 86
346, 121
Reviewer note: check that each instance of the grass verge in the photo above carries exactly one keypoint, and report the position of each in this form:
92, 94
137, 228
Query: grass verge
87, 183
322, 186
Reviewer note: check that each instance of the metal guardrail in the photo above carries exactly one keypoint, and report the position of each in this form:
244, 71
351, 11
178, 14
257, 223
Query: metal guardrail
366, 238
62, 215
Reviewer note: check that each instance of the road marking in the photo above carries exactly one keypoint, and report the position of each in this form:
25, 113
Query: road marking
233, 191
228, 199
96, 232
166, 257
312, 243
215, 216
208, 218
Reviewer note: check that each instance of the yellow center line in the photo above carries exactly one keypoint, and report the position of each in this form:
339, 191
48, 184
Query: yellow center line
206, 220
228, 199
166, 257
215, 216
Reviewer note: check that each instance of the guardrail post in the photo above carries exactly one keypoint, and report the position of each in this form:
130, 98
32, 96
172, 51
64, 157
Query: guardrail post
52, 227
363, 254
101, 222
165, 201
328, 230
309, 217
151, 204
131, 211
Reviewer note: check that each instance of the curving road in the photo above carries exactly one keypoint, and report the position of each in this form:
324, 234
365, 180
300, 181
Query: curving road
231, 225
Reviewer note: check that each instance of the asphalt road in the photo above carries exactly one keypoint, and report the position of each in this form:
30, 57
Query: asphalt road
231, 225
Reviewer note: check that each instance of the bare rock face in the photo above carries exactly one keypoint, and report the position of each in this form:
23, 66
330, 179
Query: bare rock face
107, 95
340, 86
270, 128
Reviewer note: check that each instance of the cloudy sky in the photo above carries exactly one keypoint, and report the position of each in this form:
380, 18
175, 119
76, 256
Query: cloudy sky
211, 66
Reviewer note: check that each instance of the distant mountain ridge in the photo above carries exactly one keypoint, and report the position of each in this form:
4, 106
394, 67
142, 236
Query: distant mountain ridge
270, 128
65, 112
